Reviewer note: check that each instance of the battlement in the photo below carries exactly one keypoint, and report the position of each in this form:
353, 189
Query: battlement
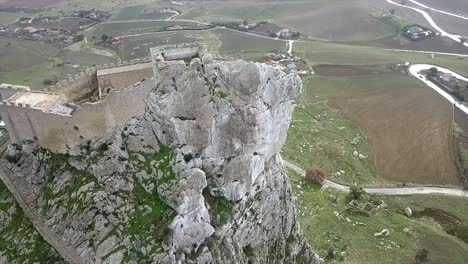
46, 102
85, 74
178, 52
63, 117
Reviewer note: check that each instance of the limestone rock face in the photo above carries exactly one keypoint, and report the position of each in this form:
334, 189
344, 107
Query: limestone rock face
202, 161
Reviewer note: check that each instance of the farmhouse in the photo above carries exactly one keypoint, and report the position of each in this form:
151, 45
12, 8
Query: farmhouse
87, 105
416, 32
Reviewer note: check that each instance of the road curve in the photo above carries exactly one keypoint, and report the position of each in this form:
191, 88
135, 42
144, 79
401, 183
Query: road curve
397, 191
429, 19
438, 10
416, 68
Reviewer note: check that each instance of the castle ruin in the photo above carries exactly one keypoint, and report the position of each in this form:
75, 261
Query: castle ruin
86, 105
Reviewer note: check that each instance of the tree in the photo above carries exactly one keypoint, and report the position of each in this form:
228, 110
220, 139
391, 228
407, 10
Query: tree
421, 255
78, 38
315, 175
104, 37
245, 22
433, 71
392, 11
49, 82
356, 192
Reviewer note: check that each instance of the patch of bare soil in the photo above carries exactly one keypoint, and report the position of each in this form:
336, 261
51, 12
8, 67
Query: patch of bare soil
351, 70
409, 128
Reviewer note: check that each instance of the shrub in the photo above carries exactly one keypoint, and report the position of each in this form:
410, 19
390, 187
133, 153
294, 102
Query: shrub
49, 82
421, 255
356, 192
315, 175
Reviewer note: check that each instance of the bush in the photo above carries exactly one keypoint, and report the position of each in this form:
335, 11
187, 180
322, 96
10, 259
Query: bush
49, 82
315, 175
356, 192
421, 255
78, 38
105, 37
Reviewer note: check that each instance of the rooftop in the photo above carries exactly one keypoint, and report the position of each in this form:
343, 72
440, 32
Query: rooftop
47, 102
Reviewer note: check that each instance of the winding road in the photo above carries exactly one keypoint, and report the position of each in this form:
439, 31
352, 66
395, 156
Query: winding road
417, 68
438, 10
429, 19
397, 191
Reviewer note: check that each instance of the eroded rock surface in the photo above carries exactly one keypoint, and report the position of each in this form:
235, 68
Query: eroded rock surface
197, 178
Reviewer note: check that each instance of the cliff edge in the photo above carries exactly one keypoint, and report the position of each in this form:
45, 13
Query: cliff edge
196, 178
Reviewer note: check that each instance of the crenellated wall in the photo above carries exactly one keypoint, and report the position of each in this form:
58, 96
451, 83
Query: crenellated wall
57, 124
7, 90
58, 132
86, 83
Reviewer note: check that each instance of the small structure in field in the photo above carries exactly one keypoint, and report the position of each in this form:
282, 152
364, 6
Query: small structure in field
416, 32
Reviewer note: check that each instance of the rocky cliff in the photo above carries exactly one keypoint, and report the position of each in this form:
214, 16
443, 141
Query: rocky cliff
197, 178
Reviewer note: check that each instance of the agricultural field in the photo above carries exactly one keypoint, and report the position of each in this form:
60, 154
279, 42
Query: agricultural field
249, 47
321, 137
123, 28
31, 63
331, 227
20, 54
7, 18
140, 12
316, 53
399, 117
391, 112
351, 19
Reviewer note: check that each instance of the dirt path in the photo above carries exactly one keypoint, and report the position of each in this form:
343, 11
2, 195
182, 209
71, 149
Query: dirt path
387, 191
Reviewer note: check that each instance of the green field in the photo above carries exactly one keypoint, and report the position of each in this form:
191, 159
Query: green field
316, 52
133, 27
7, 18
140, 12
329, 226
321, 137
240, 45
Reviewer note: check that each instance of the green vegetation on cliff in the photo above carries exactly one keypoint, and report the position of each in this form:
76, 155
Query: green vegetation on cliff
20, 242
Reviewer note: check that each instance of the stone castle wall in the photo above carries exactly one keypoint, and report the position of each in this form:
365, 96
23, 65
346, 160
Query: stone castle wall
8, 90
120, 79
60, 132
85, 83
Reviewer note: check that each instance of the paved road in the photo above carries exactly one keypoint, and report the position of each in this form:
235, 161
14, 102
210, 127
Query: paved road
429, 19
430, 52
438, 10
397, 191
415, 69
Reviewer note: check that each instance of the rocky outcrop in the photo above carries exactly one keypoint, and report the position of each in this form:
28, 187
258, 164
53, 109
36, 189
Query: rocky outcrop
196, 179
